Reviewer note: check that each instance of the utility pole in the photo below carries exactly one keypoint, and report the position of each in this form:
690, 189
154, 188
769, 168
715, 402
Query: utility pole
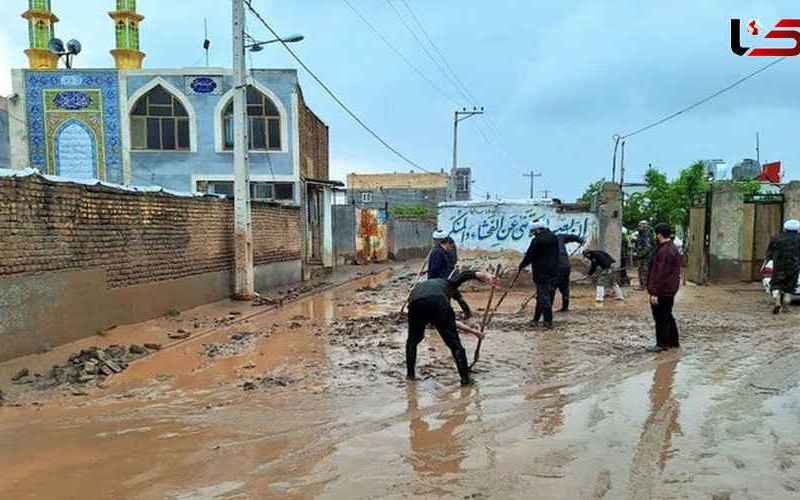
533, 175
546, 194
460, 116
242, 230
758, 150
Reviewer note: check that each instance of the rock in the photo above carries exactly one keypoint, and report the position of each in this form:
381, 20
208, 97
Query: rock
20, 375
153, 347
249, 386
234, 313
137, 349
180, 335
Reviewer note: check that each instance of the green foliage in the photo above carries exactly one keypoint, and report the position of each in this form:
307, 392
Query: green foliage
591, 192
410, 211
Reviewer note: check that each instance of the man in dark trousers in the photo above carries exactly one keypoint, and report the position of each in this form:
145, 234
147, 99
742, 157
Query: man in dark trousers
602, 264
564, 269
442, 264
784, 252
542, 255
663, 283
430, 304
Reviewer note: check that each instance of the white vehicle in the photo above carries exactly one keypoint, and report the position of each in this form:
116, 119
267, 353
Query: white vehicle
766, 280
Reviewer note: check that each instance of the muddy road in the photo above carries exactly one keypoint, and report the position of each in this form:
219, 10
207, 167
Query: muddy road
309, 400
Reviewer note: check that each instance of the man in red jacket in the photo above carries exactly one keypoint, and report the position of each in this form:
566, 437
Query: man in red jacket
662, 285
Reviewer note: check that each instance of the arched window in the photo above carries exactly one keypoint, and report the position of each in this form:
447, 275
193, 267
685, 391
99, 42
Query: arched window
159, 122
264, 121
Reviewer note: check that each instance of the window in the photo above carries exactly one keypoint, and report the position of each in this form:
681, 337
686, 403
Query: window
259, 191
122, 35
366, 197
159, 122
39, 4
126, 5
264, 123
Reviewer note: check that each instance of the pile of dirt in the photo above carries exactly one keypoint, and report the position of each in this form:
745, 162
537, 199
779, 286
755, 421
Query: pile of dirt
92, 365
240, 342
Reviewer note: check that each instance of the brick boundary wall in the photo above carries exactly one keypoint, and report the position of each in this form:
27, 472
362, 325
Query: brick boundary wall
135, 237
75, 259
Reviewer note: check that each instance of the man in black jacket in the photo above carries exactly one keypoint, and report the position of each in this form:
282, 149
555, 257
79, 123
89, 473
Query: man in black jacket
564, 268
430, 304
784, 252
542, 254
442, 264
603, 262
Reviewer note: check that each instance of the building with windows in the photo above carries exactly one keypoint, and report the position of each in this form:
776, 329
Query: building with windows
412, 190
166, 127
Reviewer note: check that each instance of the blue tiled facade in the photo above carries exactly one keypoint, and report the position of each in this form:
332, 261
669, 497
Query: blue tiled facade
43, 116
53, 98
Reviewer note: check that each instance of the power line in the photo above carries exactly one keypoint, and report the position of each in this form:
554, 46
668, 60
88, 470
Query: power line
419, 41
704, 100
457, 80
400, 54
333, 95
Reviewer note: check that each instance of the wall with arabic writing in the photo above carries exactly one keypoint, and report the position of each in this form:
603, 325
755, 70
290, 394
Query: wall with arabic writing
505, 225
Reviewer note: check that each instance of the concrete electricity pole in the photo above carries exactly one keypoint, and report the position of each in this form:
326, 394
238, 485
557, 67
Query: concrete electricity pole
460, 116
533, 175
244, 288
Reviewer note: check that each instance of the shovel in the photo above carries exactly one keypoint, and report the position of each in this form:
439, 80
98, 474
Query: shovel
485, 320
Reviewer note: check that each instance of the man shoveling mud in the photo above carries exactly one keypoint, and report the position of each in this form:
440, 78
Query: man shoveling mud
603, 263
784, 252
430, 304
542, 255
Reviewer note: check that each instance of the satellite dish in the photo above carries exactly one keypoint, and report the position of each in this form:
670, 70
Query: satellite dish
74, 47
56, 46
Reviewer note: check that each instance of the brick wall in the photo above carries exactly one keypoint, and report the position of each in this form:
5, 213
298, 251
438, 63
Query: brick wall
313, 143
135, 238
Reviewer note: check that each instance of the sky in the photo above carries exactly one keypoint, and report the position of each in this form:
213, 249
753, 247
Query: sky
557, 80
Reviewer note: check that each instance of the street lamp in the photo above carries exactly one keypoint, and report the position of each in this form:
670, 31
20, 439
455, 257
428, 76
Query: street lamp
257, 46
72, 49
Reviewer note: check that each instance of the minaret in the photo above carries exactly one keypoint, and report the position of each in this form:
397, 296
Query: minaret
41, 29
126, 21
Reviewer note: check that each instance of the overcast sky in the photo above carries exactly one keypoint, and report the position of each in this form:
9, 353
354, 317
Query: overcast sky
557, 79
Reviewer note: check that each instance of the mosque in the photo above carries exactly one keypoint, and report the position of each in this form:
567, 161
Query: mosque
165, 127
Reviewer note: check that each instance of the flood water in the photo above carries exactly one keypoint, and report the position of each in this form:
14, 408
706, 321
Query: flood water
579, 412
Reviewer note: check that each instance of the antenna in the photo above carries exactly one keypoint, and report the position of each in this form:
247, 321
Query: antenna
206, 41
758, 150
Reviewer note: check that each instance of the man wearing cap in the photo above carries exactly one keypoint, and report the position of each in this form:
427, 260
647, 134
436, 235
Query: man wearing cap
644, 244
542, 255
442, 265
662, 285
784, 252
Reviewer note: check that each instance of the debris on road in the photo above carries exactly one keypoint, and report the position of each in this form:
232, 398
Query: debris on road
87, 366
180, 334
240, 342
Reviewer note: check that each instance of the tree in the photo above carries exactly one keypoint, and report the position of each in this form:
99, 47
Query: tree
591, 192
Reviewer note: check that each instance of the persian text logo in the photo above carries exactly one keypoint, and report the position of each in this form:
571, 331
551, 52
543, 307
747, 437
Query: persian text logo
785, 28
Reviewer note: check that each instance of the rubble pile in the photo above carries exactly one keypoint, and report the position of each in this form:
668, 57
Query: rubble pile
90, 365
240, 342
287, 296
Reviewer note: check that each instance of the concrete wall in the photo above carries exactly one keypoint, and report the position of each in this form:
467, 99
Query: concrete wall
429, 198
344, 233
791, 199
609, 216
5, 135
75, 259
505, 225
726, 259
410, 238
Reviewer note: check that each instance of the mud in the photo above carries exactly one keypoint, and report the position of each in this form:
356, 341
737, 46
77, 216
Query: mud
309, 400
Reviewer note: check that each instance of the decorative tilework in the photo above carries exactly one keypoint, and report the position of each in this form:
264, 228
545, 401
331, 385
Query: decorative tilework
203, 85
75, 150
44, 117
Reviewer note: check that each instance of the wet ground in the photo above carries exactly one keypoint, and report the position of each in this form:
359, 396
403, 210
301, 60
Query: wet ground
309, 400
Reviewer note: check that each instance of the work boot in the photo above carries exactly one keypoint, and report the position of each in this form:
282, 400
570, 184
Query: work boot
655, 348
534, 323
548, 325
778, 296
601, 294
463, 367
618, 293
411, 363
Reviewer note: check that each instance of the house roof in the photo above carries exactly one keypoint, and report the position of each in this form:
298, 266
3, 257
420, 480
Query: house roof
398, 181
